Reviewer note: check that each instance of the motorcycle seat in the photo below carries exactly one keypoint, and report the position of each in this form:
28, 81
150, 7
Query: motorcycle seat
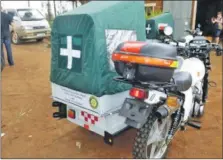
183, 80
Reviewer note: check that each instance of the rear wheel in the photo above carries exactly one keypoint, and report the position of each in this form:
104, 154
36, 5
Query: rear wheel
151, 139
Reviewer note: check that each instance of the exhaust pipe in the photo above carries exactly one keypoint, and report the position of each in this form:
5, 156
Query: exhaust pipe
162, 112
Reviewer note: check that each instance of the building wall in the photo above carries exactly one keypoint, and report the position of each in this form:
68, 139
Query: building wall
159, 4
182, 14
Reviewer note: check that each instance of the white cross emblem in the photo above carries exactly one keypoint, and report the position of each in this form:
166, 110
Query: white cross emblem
69, 52
148, 29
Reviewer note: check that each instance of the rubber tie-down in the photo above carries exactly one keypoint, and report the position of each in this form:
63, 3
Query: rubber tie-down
212, 84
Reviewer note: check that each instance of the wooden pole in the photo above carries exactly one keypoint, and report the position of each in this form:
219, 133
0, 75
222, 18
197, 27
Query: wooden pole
194, 14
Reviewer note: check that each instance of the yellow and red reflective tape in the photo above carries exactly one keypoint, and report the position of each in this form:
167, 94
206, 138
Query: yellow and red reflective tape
145, 60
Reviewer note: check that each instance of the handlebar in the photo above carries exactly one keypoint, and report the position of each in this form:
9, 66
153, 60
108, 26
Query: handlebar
196, 32
189, 31
207, 47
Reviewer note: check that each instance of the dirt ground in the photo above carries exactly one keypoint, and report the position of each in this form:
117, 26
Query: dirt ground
31, 132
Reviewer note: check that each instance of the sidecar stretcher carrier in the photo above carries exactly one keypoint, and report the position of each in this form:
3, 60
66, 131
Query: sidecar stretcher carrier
109, 124
82, 70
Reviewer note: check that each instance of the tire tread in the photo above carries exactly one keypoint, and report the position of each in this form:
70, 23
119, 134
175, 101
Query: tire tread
140, 144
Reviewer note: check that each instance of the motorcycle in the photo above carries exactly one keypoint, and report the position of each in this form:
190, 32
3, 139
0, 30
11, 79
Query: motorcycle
165, 91
192, 34
199, 47
166, 36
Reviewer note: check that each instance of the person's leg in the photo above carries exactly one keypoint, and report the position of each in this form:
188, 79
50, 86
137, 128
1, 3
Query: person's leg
218, 33
2, 52
214, 36
9, 51
217, 40
213, 39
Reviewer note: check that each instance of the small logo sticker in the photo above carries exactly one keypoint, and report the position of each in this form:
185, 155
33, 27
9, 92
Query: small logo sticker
93, 102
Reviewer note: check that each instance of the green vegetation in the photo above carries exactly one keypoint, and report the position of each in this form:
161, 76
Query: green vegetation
153, 14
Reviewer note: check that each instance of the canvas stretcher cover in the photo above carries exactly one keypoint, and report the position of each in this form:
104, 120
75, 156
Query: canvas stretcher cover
83, 41
152, 24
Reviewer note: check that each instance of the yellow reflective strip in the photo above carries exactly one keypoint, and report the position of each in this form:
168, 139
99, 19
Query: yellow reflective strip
174, 64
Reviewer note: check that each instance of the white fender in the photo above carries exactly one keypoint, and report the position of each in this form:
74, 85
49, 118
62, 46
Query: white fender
195, 67
189, 38
188, 103
197, 70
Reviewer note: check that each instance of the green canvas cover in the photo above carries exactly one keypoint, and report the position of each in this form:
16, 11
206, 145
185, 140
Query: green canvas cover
153, 23
82, 42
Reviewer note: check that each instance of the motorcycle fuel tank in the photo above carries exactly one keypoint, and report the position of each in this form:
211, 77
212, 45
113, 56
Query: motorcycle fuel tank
195, 67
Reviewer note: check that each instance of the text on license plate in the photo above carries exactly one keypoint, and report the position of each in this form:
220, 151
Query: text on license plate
41, 34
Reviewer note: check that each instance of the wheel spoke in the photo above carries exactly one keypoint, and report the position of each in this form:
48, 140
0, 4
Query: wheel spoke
154, 134
152, 151
156, 143
152, 140
162, 126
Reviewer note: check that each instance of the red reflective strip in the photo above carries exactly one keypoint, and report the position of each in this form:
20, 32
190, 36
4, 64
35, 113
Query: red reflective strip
96, 118
133, 47
89, 117
86, 126
71, 114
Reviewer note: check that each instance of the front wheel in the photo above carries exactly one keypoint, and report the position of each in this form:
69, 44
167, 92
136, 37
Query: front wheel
151, 139
39, 40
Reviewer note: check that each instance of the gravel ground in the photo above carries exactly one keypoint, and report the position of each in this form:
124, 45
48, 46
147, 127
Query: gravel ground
31, 132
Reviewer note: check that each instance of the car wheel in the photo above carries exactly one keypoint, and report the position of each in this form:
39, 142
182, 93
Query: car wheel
39, 40
15, 38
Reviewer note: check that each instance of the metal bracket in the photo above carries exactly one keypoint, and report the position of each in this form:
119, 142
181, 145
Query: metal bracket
62, 110
108, 138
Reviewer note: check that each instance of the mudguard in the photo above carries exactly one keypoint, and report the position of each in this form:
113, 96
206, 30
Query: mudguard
136, 112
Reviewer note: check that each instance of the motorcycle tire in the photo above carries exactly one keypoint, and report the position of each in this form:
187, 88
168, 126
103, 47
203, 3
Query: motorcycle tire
140, 144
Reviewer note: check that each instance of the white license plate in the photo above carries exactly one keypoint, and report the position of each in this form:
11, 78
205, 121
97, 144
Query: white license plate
41, 34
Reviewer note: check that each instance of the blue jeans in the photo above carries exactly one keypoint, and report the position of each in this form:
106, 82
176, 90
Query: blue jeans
7, 42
